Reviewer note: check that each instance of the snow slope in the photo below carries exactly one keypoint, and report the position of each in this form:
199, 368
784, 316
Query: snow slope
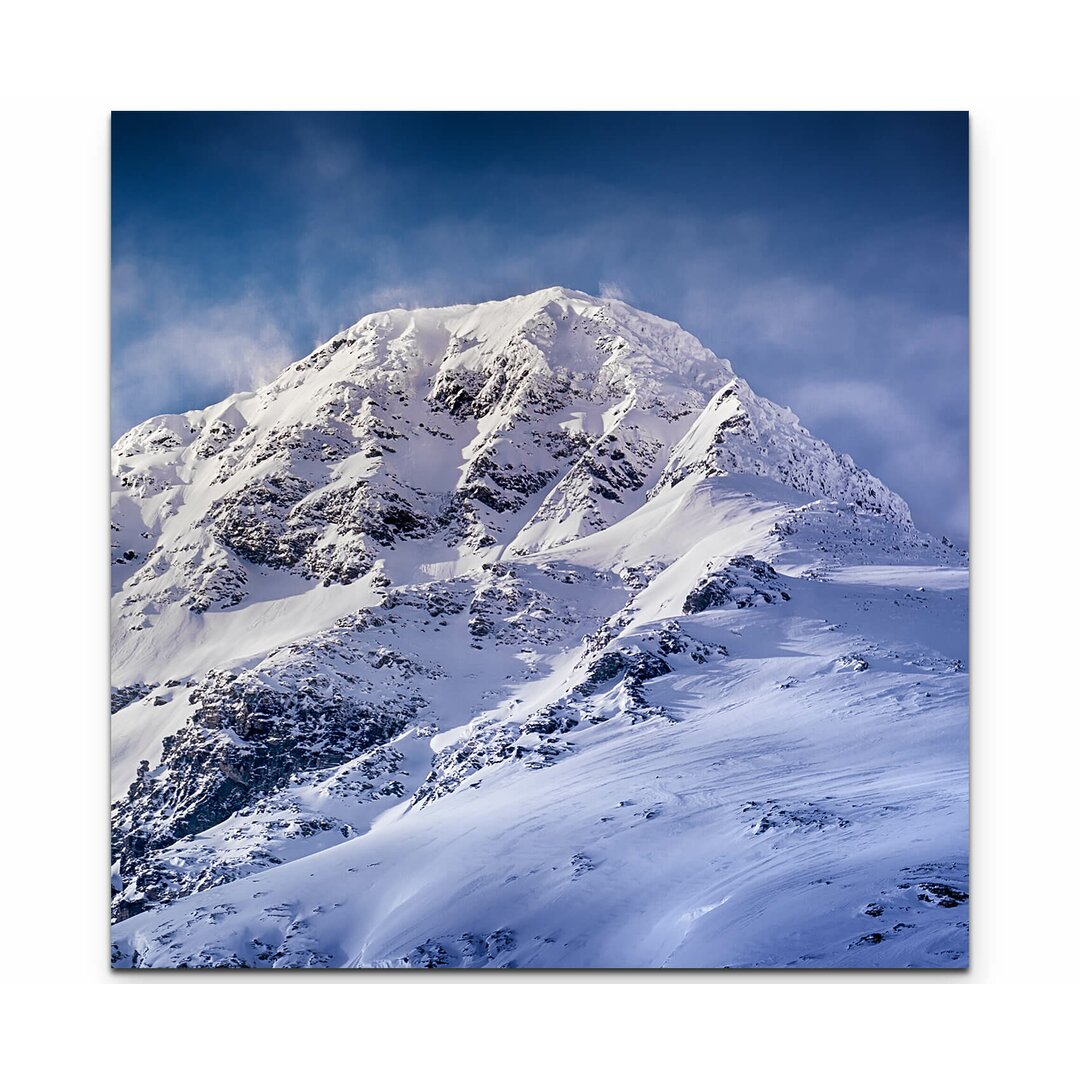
526, 634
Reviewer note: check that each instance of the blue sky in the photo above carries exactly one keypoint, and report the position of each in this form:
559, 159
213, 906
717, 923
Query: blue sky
825, 254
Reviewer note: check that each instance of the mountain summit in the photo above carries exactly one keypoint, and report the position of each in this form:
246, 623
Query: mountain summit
525, 633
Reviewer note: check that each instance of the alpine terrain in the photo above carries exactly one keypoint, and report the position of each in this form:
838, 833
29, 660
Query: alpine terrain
525, 634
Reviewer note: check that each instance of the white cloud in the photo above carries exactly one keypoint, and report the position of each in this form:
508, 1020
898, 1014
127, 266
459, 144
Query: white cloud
197, 356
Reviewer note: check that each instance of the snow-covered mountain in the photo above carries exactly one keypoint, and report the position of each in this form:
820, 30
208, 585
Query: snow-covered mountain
527, 634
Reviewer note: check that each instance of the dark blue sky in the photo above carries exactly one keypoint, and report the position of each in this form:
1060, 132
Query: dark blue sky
825, 254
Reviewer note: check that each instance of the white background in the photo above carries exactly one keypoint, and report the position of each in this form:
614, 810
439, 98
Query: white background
63, 68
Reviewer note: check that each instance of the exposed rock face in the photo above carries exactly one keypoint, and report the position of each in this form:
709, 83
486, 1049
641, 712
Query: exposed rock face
742, 581
245, 741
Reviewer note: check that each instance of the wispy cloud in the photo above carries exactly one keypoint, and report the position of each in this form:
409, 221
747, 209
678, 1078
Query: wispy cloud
197, 353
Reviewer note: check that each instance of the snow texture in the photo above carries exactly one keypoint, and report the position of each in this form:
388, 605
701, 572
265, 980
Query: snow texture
526, 635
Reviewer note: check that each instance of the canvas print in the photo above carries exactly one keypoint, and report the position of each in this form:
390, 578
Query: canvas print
539, 540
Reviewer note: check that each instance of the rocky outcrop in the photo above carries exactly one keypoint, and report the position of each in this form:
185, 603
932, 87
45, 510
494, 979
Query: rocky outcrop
740, 582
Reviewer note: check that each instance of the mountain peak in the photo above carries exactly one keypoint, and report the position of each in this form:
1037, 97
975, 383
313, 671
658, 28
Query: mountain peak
519, 426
